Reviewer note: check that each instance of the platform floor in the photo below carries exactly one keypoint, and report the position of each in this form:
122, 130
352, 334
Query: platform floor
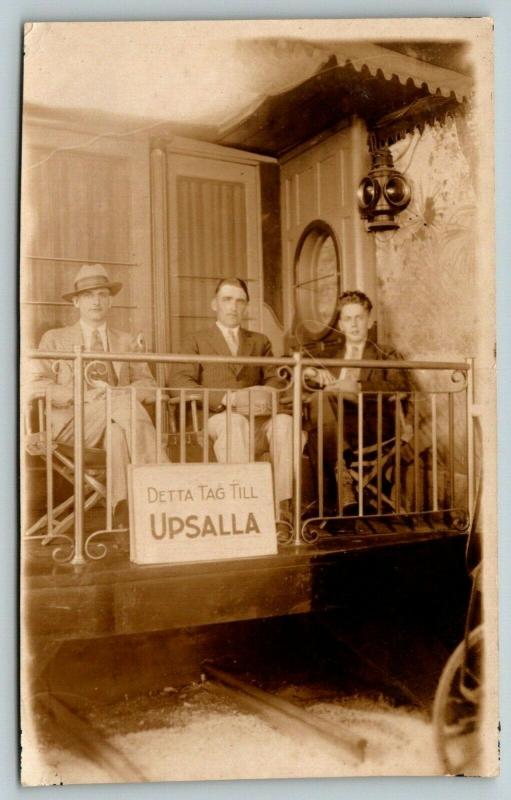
113, 596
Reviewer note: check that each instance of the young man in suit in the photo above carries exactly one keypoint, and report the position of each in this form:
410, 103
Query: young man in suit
347, 382
92, 297
228, 337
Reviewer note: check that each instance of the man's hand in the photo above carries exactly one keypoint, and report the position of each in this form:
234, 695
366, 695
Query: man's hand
145, 394
259, 398
346, 385
94, 394
318, 376
349, 389
232, 397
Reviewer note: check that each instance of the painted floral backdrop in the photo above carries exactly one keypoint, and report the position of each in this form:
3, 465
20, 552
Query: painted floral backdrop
426, 270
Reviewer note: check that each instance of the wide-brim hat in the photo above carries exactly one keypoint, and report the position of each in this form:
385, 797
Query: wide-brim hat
92, 276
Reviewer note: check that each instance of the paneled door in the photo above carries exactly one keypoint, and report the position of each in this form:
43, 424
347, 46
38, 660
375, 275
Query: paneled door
209, 207
324, 244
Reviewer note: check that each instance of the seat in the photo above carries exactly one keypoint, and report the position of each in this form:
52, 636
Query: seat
58, 458
186, 439
374, 474
366, 481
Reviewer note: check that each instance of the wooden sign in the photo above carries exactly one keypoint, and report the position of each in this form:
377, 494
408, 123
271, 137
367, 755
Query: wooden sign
200, 512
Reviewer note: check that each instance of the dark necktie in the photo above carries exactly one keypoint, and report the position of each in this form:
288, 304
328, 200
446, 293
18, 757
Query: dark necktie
102, 370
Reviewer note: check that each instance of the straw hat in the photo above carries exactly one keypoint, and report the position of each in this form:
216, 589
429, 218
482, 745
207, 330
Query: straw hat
92, 276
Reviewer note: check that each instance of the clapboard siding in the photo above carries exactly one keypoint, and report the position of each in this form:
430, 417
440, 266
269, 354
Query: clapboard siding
84, 199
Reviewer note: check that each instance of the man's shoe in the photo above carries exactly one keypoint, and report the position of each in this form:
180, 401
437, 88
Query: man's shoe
348, 491
350, 510
121, 515
284, 523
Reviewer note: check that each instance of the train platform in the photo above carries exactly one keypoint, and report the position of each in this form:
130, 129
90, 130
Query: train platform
112, 596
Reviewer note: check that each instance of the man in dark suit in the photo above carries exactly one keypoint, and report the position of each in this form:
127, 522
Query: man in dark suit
347, 383
227, 337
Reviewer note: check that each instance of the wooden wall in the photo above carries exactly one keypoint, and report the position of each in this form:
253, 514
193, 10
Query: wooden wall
85, 199
271, 239
166, 218
319, 182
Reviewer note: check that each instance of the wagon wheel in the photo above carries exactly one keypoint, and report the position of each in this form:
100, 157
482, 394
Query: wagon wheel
457, 707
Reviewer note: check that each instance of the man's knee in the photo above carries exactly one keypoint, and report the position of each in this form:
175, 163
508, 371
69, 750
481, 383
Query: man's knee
283, 423
217, 424
118, 443
281, 429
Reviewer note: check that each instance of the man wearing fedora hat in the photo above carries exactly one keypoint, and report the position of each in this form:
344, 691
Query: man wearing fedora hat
92, 297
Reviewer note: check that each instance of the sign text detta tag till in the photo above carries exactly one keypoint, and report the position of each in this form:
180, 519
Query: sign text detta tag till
200, 512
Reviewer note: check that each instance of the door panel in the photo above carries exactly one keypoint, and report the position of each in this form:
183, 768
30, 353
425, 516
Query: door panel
213, 225
320, 183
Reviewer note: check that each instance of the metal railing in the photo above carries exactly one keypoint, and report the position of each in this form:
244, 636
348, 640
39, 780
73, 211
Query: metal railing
431, 440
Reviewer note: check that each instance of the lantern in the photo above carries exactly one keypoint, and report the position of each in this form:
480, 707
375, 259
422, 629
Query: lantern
383, 193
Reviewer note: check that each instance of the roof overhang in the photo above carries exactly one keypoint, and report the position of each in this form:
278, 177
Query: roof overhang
392, 92
380, 61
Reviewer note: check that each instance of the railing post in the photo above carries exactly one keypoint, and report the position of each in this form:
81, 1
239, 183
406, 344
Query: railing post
450, 461
133, 424
360, 447
159, 443
108, 444
416, 453
470, 438
434, 451
297, 446
272, 445
49, 460
205, 425
78, 557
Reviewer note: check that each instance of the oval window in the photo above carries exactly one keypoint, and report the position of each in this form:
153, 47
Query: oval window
317, 281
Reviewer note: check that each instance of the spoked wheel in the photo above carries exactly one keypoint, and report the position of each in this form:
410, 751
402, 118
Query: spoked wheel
457, 707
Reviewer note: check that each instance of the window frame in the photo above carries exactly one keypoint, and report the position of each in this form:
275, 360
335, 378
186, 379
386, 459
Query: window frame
323, 231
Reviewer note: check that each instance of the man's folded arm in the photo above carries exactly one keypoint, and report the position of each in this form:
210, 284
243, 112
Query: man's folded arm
188, 375
45, 373
140, 373
388, 380
269, 372
140, 376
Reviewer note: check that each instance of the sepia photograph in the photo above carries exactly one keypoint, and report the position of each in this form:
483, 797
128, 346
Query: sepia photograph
258, 495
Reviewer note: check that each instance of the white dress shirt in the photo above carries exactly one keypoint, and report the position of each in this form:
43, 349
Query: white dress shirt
354, 351
231, 336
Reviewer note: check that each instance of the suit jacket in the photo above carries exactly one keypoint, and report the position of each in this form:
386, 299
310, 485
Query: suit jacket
391, 380
371, 380
374, 380
210, 341
51, 373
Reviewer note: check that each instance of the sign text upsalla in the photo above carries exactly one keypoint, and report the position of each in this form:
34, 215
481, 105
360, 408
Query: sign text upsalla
191, 512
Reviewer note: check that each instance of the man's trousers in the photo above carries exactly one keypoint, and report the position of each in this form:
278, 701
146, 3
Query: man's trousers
273, 433
94, 414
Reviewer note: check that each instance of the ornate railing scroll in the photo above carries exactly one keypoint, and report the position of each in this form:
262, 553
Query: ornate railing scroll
417, 436
425, 440
49, 528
